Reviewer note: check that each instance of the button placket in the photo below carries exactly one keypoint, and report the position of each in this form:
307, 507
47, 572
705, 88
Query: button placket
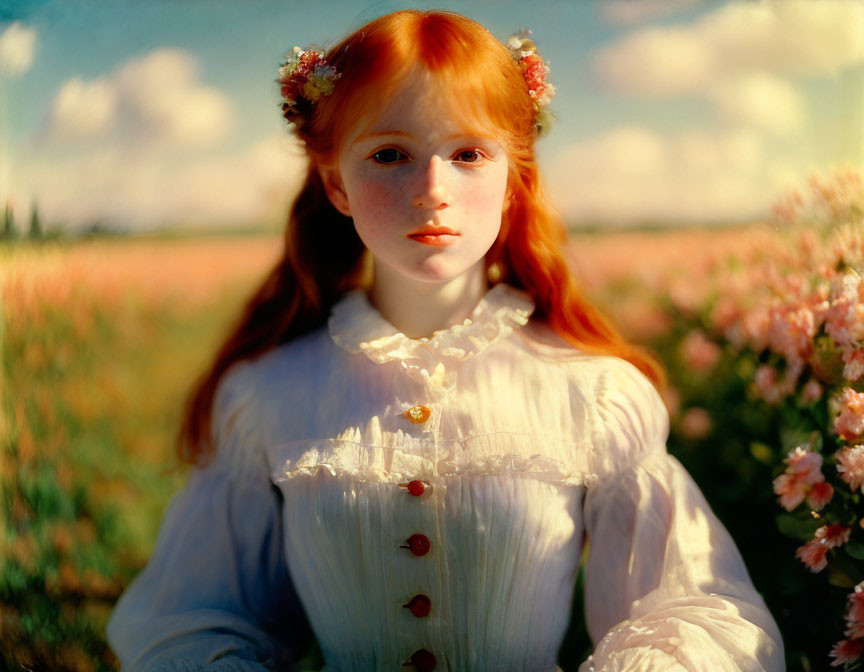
422, 411
420, 604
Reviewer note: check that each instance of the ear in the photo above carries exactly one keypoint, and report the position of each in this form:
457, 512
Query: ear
334, 188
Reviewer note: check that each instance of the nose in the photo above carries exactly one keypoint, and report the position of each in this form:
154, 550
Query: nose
432, 192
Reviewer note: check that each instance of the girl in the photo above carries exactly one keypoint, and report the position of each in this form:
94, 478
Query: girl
419, 423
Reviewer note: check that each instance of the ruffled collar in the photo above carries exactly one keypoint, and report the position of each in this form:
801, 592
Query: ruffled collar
357, 326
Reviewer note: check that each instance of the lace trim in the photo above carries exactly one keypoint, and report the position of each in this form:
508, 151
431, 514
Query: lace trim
515, 466
392, 465
357, 326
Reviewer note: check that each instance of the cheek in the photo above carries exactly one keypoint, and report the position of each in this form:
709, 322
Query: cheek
372, 198
484, 198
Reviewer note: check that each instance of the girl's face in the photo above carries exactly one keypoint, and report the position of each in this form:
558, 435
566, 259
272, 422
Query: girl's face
426, 195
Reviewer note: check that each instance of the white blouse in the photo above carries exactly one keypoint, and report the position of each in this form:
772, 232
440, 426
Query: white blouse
523, 447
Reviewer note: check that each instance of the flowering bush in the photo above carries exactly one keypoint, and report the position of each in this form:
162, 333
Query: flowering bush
798, 305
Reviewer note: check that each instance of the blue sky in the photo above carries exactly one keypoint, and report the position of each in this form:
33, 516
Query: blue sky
668, 110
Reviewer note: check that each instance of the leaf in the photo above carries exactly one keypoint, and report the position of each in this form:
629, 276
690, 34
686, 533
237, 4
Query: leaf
837, 578
797, 528
855, 549
761, 452
843, 571
790, 437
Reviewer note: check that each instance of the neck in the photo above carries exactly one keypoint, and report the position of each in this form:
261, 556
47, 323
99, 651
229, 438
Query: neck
418, 309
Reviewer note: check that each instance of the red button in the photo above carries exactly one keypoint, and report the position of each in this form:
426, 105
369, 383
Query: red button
420, 661
416, 488
418, 544
419, 605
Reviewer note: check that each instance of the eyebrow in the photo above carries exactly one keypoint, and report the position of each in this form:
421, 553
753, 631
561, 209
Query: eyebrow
403, 134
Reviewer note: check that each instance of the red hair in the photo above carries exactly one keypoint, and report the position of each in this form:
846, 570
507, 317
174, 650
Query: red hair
312, 274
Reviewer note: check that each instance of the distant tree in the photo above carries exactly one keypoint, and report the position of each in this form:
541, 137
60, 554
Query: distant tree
8, 231
36, 232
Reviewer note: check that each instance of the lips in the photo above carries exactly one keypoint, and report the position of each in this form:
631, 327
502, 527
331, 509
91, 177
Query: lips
438, 236
433, 231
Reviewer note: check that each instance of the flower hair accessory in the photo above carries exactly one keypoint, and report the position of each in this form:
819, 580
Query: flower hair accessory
305, 76
534, 70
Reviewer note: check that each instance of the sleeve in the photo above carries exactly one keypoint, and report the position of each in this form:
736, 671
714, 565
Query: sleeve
665, 586
216, 594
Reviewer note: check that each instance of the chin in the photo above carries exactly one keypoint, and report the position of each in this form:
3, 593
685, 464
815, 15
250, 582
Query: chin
431, 272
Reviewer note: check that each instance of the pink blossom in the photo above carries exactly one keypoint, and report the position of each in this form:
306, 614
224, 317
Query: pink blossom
725, 313
806, 464
846, 651
850, 466
766, 384
855, 612
812, 392
813, 555
843, 318
686, 295
791, 490
755, 325
792, 330
699, 353
833, 535
695, 423
854, 363
820, 494
802, 473
850, 423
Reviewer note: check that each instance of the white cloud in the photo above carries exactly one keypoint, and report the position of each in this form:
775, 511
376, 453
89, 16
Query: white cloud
761, 101
17, 44
632, 174
139, 147
155, 99
783, 37
145, 189
637, 11
82, 109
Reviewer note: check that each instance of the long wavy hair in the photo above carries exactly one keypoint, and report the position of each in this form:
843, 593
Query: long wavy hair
313, 272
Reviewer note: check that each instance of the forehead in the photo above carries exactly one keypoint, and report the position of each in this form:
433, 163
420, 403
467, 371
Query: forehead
426, 103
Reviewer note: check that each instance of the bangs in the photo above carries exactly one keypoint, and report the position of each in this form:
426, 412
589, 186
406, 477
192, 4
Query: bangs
475, 73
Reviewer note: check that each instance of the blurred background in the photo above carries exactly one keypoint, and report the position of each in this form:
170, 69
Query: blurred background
146, 173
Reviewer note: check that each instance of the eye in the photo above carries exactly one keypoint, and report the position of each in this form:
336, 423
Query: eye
388, 155
470, 156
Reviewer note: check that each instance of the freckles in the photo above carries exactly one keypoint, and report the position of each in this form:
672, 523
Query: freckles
482, 196
375, 196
